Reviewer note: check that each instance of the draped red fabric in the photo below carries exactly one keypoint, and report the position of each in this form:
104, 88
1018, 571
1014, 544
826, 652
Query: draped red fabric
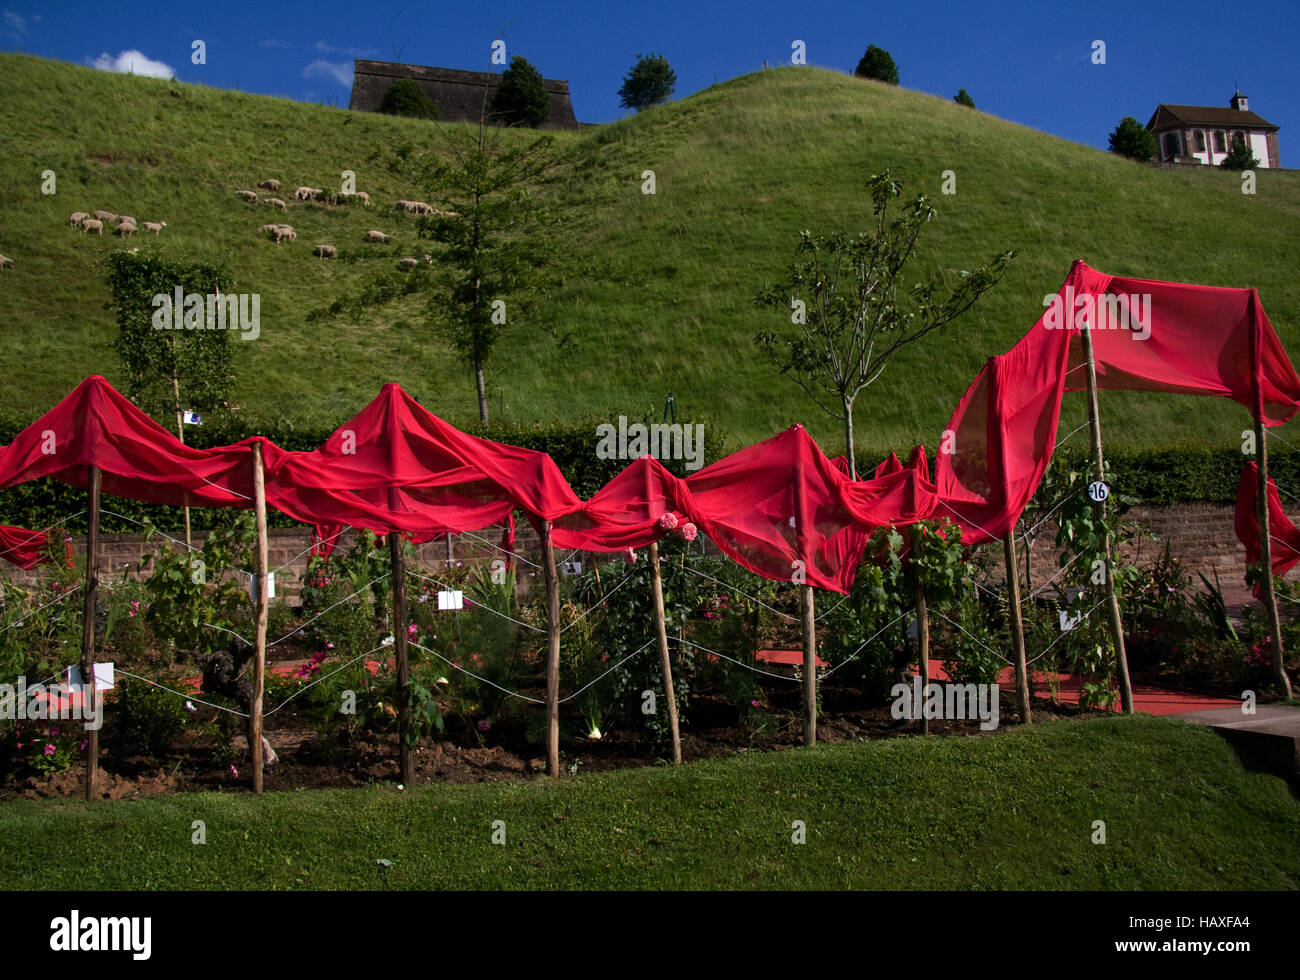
395, 466
1284, 538
96, 426
24, 548
1147, 336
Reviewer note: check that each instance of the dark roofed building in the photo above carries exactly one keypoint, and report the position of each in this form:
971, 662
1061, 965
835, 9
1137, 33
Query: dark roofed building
1203, 134
458, 94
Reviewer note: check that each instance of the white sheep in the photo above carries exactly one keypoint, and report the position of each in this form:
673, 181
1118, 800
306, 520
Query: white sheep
418, 207
269, 229
303, 193
378, 236
284, 231
155, 226
126, 228
6, 263
104, 215
275, 202
92, 224
76, 218
248, 196
407, 264
326, 251
125, 219
270, 185
365, 198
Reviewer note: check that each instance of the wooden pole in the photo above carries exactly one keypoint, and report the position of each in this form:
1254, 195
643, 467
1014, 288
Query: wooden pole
1017, 626
665, 662
88, 693
922, 631
1266, 557
397, 563
553, 653
1099, 508
259, 591
808, 621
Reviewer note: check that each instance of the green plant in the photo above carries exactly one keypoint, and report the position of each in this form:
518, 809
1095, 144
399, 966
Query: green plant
1239, 155
879, 64
145, 720
520, 98
649, 82
405, 98
963, 98
1133, 140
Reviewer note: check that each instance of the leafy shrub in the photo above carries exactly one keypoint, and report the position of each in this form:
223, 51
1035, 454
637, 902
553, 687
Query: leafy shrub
146, 720
405, 98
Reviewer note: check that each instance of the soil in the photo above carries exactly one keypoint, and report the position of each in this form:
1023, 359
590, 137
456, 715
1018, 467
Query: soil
503, 753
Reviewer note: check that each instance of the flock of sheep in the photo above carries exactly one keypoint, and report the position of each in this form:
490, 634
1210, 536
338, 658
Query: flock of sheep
125, 225
279, 232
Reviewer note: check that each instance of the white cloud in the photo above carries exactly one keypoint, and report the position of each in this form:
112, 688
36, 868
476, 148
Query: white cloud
135, 63
351, 52
340, 72
15, 23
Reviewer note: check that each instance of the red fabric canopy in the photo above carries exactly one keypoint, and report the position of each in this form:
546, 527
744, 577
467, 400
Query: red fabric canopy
96, 426
1146, 336
24, 548
1284, 539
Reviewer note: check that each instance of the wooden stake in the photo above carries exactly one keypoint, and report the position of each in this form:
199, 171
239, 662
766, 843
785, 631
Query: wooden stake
397, 564
1017, 628
259, 591
808, 621
553, 653
665, 662
922, 631
1116, 623
88, 628
1268, 594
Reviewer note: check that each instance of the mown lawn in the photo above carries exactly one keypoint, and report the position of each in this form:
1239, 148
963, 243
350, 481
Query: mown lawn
1011, 811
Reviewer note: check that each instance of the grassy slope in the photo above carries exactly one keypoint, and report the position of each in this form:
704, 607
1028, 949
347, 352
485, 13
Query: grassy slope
659, 289
1011, 811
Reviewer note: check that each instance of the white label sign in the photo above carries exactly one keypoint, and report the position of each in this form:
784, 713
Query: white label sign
448, 599
1098, 491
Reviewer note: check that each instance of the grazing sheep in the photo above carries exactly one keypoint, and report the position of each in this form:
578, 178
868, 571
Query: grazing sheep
92, 224
104, 216
407, 264
318, 194
275, 202
378, 236
303, 193
6, 263
269, 229
418, 207
76, 218
155, 226
365, 198
326, 251
269, 185
284, 231
125, 219
248, 196
403, 205
126, 228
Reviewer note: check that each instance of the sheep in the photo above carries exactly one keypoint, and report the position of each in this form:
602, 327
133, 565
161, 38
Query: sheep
249, 196
403, 205
104, 216
284, 231
269, 229
303, 193
155, 226
365, 198
418, 207
407, 264
275, 202
326, 251
6, 263
125, 219
269, 185
428, 259
318, 194
378, 236
126, 228
92, 224
76, 218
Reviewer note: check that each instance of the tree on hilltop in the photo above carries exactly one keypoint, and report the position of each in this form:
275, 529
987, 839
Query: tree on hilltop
649, 82
877, 63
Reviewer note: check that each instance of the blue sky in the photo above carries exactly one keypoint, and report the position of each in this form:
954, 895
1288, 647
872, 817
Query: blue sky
1025, 60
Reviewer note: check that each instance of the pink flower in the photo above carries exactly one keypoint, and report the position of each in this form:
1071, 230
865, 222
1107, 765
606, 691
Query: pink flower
688, 531
49, 749
629, 555
484, 725
412, 629
668, 521
234, 772
54, 729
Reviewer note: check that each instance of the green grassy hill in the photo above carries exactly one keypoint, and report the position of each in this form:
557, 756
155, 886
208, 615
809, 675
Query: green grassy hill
658, 291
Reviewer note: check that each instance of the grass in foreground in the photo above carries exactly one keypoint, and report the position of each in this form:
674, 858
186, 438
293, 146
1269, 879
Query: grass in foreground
1013, 811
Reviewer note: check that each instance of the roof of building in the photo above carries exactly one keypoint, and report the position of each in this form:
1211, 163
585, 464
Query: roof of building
1222, 117
458, 94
